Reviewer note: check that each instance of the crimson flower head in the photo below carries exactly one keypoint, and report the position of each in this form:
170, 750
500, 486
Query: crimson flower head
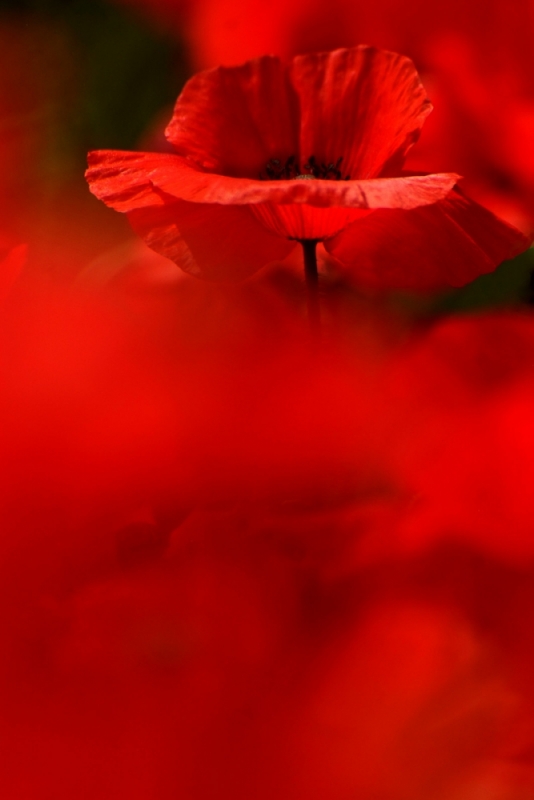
270, 154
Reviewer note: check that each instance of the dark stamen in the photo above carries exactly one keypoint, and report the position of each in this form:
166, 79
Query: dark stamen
275, 170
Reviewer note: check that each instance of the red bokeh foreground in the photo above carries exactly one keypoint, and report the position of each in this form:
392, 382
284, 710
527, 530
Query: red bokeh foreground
237, 567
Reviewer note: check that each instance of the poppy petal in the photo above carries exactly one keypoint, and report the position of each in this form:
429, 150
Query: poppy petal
127, 180
449, 243
219, 243
301, 221
234, 119
362, 104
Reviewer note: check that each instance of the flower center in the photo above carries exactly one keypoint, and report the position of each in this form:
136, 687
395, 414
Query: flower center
276, 170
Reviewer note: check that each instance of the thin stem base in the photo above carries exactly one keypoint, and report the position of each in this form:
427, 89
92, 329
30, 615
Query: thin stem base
309, 247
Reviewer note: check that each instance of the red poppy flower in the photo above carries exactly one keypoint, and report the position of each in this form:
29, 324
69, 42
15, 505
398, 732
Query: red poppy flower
268, 154
480, 76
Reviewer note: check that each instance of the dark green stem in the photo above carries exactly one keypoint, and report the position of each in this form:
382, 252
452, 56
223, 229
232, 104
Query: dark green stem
309, 247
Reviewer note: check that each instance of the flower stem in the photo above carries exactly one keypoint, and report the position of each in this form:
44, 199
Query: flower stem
309, 246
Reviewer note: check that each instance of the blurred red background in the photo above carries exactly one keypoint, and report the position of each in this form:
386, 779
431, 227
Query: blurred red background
231, 566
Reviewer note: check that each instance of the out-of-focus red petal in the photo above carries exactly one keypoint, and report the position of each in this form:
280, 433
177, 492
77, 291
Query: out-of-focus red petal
466, 454
210, 241
10, 268
446, 244
127, 180
363, 104
234, 119
442, 700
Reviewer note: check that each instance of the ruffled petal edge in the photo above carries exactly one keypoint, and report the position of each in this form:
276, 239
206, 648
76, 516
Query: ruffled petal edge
128, 180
